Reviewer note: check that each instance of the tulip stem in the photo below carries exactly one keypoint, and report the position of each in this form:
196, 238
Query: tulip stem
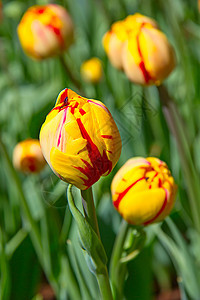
118, 270
104, 285
89, 209
71, 76
176, 126
90, 215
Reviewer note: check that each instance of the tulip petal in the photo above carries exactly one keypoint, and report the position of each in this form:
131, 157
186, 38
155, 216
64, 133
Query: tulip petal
64, 165
158, 55
142, 207
107, 131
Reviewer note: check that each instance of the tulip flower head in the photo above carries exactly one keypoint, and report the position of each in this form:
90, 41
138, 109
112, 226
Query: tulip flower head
140, 49
28, 157
80, 139
45, 31
91, 70
143, 191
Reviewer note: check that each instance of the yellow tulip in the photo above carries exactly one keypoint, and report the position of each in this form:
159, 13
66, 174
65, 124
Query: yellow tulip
142, 51
143, 191
45, 31
80, 139
28, 157
91, 70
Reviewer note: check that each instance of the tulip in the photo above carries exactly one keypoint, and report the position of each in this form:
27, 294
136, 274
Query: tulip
113, 40
143, 191
45, 31
91, 70
80, 139
140, 49
28, 157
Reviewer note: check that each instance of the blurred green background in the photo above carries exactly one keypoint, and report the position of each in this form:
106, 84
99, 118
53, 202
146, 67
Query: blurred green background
168, 267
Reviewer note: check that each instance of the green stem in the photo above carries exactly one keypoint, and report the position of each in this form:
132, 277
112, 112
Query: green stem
176, 126
89, 209
15, 242
4, 270
116, 268
104, 285
90, 214
66, 226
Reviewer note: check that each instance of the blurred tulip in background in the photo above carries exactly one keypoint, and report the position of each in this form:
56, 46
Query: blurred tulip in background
45, 31
140, 49
91, 70
28, 157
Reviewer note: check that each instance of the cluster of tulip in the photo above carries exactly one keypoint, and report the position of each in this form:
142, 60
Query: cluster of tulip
138, 47
79, 139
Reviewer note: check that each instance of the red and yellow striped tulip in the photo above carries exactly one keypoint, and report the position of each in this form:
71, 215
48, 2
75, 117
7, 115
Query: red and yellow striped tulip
28, 157
80, 139
91, 70
45, 31
140, 49
143, 191
114, 39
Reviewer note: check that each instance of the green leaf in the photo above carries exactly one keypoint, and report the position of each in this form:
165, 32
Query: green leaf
89, 239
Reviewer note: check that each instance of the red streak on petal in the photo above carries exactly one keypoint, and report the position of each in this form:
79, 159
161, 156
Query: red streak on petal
160, 211
122, 194
57, 33
100, 164
82, 112
73, 108
159, 182
107, 136
90, 101
31, 164
41, 10
150, 186
64, 95
109, 151
145, 73
63, 122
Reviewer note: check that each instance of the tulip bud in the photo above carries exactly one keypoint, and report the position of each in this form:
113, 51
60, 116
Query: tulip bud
144, 53
80, 139
91, 70
147, 56
45, 31
143, 191
28, 157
